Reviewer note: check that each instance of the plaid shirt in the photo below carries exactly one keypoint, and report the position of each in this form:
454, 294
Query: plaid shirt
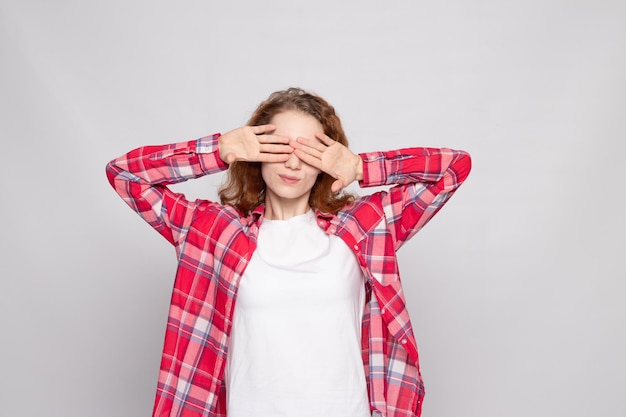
214, 244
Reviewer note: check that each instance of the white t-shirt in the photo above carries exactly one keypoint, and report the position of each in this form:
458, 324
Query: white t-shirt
295, 345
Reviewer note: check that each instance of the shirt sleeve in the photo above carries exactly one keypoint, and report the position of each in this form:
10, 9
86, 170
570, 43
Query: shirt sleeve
425, 179
141, 177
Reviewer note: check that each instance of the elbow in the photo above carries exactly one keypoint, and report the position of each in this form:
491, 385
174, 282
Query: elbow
462, 166
111, 172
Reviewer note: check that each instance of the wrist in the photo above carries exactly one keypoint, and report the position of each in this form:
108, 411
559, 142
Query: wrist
359, 169
222, 149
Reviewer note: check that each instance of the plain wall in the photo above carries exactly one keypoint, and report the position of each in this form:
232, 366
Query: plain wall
515, 288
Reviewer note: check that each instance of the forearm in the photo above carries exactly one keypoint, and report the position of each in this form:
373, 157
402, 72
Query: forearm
167, 164
445, 167
428, 177
141, 176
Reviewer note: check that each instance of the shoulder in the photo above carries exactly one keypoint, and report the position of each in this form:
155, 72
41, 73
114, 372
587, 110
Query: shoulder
366, 211
212, 215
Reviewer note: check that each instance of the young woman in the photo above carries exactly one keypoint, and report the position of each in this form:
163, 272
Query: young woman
287, 299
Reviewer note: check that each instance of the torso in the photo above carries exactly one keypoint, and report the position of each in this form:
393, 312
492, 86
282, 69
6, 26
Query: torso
295, 346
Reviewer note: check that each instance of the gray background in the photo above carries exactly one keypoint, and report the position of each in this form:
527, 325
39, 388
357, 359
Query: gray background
516, 288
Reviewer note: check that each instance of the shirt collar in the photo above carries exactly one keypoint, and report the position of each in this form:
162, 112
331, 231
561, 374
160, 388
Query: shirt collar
256, 215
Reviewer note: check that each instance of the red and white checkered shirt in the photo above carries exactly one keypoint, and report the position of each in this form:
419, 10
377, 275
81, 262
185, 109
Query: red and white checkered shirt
214, 244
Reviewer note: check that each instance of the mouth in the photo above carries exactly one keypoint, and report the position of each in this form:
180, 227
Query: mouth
289, 179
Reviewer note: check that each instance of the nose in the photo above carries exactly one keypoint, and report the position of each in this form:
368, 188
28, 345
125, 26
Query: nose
293, 162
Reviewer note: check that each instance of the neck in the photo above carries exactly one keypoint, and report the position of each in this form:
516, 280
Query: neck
277, 209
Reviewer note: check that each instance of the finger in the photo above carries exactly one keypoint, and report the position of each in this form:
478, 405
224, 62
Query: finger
257, 130
230, 158
312, 146
273, 139
308, 158
337, 186
275, 148
326, 140
273, 157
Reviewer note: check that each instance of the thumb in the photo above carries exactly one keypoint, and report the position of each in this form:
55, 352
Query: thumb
337, 186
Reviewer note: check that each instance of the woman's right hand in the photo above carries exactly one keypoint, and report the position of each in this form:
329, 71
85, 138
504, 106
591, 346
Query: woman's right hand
254, 144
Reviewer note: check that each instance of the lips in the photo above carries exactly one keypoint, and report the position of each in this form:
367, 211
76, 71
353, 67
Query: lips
289, 179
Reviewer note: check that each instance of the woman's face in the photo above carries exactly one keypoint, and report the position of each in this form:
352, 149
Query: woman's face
291, 181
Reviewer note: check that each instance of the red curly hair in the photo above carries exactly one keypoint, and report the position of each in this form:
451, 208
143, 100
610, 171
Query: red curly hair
244, 187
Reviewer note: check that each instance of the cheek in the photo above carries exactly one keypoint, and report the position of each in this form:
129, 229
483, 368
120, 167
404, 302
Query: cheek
312, 176
311, 171
266, 171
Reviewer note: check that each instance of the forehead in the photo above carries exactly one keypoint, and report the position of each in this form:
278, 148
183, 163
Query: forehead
294, 124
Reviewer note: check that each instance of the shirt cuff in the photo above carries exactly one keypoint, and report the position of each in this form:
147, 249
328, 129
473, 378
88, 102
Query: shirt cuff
374, 169
208, 151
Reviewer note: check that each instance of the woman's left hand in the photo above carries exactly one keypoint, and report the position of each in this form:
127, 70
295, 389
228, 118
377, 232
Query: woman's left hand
331, 157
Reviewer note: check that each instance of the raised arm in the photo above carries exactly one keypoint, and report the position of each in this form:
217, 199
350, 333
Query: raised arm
426, 178
141, 177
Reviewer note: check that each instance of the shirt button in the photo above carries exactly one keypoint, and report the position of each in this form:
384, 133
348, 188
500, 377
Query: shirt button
383, 311
356, 247
403, 341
